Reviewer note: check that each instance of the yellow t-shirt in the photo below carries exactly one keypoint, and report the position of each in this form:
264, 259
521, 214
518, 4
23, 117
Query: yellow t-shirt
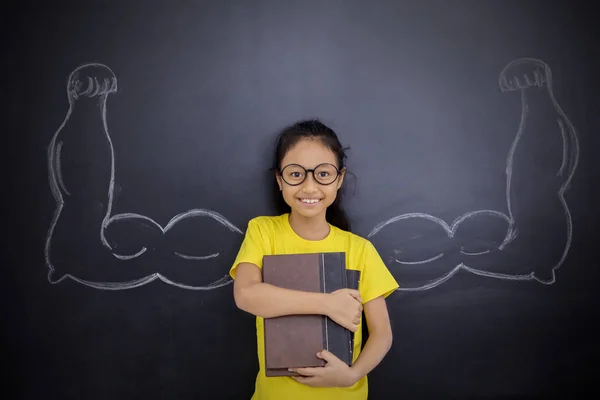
274, 235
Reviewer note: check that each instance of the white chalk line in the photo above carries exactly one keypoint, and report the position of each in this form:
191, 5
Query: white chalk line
420, 262
197, 257
474, 253
433, 283
132, 284
132, 256
59, 170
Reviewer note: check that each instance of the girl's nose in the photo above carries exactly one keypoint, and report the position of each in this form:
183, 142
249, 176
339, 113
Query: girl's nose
310, 185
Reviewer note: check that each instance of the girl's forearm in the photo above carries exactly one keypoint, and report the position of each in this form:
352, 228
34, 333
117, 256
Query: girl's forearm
377, 346
268, 301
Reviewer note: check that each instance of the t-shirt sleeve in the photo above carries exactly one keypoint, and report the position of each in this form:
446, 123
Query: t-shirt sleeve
253, 247
376, 278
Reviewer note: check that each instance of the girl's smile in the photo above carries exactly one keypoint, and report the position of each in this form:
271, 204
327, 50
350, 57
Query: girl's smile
309, 201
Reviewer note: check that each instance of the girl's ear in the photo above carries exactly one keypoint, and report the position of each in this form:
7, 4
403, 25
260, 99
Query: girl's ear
278, 178
341, 177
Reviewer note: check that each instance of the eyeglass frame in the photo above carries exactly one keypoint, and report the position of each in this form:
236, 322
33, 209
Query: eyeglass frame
312, 171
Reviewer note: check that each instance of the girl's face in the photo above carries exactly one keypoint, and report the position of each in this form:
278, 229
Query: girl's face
310, 198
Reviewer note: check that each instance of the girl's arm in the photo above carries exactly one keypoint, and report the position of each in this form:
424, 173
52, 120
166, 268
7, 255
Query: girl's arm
267, 301
379, 341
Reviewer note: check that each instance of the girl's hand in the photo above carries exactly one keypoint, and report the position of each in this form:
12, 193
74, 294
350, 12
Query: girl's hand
335, 373
344, 307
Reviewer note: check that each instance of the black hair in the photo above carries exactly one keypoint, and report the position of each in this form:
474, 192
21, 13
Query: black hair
286, 139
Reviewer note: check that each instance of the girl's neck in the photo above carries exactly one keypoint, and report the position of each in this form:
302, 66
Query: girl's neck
315, 228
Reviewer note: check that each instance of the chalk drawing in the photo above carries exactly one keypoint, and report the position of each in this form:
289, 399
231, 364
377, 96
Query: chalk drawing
95, 81
188, 214
98, 81
539, 77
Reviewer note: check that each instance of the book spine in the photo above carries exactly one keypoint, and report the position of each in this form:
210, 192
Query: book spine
353, 282
336, 337
324, 320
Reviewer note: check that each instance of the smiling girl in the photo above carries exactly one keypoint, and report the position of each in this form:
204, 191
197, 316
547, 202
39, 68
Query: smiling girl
309, 171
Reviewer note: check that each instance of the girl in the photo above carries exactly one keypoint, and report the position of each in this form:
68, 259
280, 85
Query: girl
309, 170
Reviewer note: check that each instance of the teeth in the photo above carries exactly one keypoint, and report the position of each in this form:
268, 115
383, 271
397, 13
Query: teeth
310, 201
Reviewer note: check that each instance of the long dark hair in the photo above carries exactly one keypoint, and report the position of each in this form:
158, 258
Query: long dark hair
286, 139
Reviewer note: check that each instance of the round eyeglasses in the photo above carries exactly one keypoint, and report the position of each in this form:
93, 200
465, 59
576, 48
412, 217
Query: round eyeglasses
294, 174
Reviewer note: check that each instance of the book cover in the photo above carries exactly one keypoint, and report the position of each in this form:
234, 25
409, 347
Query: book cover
294, 340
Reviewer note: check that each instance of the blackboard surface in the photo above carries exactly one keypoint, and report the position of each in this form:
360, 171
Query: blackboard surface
137, 136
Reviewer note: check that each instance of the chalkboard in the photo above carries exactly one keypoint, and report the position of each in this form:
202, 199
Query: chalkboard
139, 137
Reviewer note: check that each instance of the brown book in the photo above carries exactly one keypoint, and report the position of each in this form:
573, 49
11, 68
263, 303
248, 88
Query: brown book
295, 340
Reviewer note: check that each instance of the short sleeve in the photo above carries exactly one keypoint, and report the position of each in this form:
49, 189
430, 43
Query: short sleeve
376, 278
253, 247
